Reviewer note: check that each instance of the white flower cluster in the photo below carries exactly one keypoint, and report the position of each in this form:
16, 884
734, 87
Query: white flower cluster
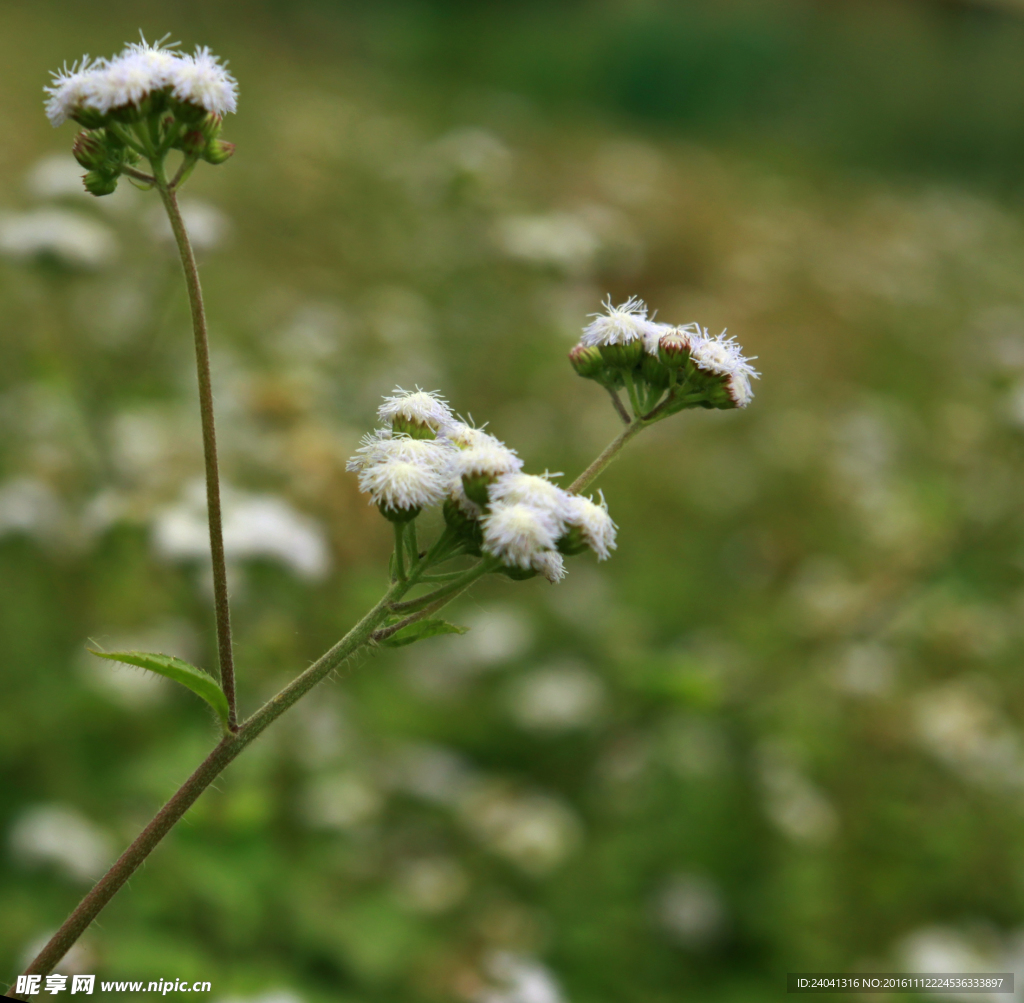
718, 356
105, 85
522, 519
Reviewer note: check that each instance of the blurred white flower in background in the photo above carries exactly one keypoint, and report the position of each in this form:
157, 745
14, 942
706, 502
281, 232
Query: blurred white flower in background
72, 238
534, 831
960, 728
60, 835
432, 773
942, 950
865, 669
341, 801
208, 227
562, 239
79, 959
254, 526
55, 176
133, 688
496, 636
431, 885
518, 980
690, 908
29, 506
795, 805
560, 697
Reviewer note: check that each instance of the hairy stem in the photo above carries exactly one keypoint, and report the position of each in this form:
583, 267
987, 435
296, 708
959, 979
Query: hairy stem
222, 610
208, 771
607, 455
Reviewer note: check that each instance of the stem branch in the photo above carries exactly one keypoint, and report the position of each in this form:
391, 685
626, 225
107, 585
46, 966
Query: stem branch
220, 578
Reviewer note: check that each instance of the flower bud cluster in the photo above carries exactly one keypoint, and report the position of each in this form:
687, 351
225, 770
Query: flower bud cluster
427, 456
624, 347
149, 98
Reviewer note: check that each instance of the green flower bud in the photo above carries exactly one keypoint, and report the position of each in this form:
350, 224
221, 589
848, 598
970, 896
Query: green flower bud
674, 350
191, 142
100, 182
572, 543
476, 487
89, 118
211, 125
654, 372
217, 151
517, 574
414, 429
587, 361
398, 514
623, 356
90, 150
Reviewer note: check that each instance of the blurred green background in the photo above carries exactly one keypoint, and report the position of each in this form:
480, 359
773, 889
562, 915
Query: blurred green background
780, 730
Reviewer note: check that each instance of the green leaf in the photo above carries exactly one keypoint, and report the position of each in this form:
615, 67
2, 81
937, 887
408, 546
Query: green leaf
421, 629
199, 682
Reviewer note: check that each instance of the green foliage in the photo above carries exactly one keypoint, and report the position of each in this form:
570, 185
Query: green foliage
419, 631
197, 680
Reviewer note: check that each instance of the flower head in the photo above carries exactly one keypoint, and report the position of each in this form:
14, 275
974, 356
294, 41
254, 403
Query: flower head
402, 485
528, 489
722, 356
593, 523
201, 80
71, 88
518, 533
620, 325
464, 436
417, 410
381, 446
487, 458
90, 89
550, 564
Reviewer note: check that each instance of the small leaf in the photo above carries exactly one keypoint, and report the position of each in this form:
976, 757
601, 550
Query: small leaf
199, 682
421, 629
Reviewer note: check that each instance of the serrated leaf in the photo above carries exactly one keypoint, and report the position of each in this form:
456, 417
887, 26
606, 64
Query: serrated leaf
199, 682
421, 629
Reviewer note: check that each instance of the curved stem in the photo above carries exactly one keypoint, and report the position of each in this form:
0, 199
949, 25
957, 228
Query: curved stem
208, 771
220, 578
617, 404
607, 455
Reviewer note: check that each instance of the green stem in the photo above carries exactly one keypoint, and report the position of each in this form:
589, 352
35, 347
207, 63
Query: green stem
399, 528
222, 609
631, 390
607, 455
215, 763
617, 404
464, 578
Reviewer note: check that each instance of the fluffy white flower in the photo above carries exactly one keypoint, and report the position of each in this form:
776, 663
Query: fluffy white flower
464, 436
201, 80
653, 334
420, 407
381, 446
71, 237
550, 564
71, 88
724, 357
594, 523
403, 484
129, 77
138, 71
519, 533
400, 472
528, 489
488, 458
621, 324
